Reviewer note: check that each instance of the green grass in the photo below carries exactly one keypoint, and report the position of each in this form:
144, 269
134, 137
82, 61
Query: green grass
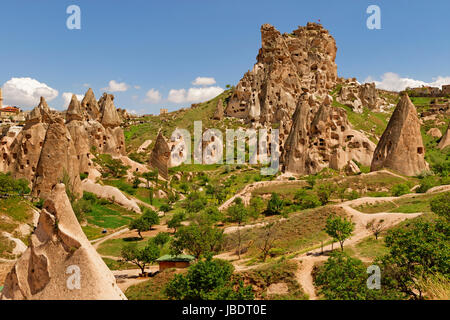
112, 247
93, 232
109, 216
366, 121
118, 265
371, 248
152, 289
16, 208
280, 271
414, 204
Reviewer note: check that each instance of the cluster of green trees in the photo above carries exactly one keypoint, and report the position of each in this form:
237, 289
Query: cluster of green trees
142, 257
209, 279
145, 222
9, 185
418, 251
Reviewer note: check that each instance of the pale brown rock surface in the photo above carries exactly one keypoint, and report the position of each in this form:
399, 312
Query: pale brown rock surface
59, 252
401, 147
160, 157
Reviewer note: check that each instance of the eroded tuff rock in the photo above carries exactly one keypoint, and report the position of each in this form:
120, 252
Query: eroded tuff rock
287, 65
57, 162
90, 104
357, 96
445, 140
218, 114
322, 137
58, 252
401, 147
67, 145
160, 157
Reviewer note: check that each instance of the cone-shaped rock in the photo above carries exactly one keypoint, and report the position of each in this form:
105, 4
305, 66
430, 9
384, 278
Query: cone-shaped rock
90, 104
74, 110
160, 157
60, 263
401, 146
110, 118
41, 113
58, 161
445, 140
218, 114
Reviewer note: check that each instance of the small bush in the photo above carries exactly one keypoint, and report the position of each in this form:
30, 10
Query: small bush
426, 184
400, 189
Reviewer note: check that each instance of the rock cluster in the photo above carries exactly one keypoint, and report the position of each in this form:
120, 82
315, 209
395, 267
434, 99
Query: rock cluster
322, 137
357, 96
60, 262
401, 147
218, 114
287, 65
49, 150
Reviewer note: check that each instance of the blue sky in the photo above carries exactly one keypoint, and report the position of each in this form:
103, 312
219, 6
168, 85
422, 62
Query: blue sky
166, 45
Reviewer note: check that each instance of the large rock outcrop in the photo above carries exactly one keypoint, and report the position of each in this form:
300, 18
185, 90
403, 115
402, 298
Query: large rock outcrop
60, 263
160, 157
47, 149
287, 65
58, 161
357, 96
218, 114
322, 137
401, 147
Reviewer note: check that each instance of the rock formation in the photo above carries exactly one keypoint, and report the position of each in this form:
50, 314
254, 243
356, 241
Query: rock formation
322, 137
90, 104
445, 140
57, 162
357, 96
60, 262
218, 114
434, 132
287, 65
46, 149
160, 157
400, 147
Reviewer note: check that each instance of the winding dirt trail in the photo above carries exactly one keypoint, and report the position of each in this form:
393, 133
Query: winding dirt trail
308, 260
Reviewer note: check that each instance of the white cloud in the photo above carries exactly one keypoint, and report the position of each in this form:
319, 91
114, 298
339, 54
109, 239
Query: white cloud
153, 96
26, 92
193, 95
137, 87
204, 81
86, 85
393, 82
67, 96
115, 86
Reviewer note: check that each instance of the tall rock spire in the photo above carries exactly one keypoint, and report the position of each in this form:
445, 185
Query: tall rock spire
401, 147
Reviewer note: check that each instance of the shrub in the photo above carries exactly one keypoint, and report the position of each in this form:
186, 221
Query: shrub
83, 175
400, 189
306, 200
426, 184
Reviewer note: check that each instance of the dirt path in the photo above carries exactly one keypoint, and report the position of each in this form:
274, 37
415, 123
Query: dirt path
96, 242
308, 260
127, 278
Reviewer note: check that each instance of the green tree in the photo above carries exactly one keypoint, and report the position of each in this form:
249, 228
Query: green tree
441, 205
306, 200
145, 222
238, 213
140, 257
339, 229
110, 166
176, 220
256, 207
161, 239
209, 279
324, 192
345, 278
197, 240
275, 205
416, 251
400, 189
